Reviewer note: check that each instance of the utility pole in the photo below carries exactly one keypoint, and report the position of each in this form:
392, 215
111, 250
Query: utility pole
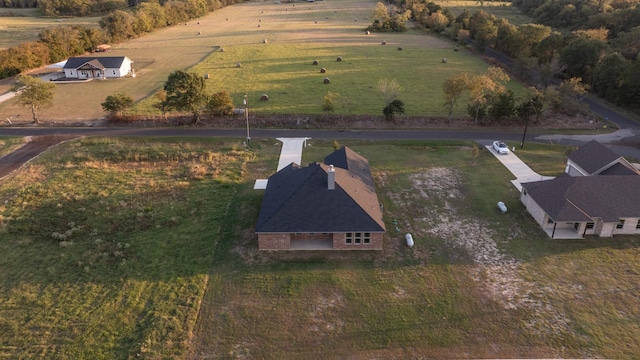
246, 115
526, 124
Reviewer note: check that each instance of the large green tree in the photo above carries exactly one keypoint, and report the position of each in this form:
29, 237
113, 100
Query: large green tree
117, 104
186, 92
35, 93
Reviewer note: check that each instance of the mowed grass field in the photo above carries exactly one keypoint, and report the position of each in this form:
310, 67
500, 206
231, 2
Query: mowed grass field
27, 24
296, 34
144, 248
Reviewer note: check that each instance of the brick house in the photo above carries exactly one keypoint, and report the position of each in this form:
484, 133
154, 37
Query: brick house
97, 67
599, 194
328, 206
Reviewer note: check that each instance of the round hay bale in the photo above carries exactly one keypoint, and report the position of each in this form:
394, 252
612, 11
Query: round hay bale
455, 48
444, 60
199, 33
258, 25
368, 32
264, 97
339, 58
356, 20
326, 80
316, 21
206, 76
259, 20
384, 42
238, 64
227, 19
264, 41
221, 49
315, 62
198, 22
399, 48
323, 70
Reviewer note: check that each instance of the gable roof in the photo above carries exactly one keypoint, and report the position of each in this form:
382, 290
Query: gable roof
348, 159
297, 199
584, 198
104, 62
593, 156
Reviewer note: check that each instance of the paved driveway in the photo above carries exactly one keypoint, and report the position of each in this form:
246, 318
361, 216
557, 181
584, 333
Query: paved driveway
518, 168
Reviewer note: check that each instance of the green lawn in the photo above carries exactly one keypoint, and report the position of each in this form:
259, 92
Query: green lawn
107, 244
294, 85
144, 248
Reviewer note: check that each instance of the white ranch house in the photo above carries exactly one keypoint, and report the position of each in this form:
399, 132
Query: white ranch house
97, 67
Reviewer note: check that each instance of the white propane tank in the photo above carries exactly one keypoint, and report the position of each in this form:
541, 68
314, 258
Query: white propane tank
502, 207
409, 240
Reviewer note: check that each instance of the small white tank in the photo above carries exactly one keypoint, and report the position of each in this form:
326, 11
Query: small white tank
502, 207
409, 240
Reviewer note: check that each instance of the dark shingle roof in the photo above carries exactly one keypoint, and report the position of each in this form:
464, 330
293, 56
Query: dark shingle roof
348, 159
110, 62
297, 199
584, 198
593, 156
618, 169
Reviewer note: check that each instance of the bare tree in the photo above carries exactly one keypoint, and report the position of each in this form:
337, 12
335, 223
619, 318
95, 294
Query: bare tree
389, 89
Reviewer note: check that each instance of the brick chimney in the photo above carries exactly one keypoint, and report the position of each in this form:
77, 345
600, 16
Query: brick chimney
331, 178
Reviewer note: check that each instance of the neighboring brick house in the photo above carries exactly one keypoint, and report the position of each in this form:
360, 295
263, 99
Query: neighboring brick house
97, 67
322, 207
598, 195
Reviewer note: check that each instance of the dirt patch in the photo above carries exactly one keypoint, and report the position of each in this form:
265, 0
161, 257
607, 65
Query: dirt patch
34, 147
496, 273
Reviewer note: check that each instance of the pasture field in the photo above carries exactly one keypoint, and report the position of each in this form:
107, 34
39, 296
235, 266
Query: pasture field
281, 68
144, 248
14, 30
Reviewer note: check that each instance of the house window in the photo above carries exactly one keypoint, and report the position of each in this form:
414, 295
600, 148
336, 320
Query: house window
590, 225
524, 192
114, 72
358, 238
638, 225
367, 238
620, 224
348, 238
312, 233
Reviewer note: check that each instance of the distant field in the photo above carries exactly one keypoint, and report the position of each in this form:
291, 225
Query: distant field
296, 35
15, 30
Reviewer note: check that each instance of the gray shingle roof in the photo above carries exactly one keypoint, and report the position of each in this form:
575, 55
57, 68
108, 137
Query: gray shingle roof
593, 156
297, 199
108, 62
583, 198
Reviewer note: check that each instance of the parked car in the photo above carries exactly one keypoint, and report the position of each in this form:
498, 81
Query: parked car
501, 148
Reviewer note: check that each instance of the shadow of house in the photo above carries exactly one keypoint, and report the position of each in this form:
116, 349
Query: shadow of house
329, 206
599, 194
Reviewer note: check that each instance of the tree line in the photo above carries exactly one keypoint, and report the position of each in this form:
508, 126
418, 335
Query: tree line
599, 42
58, 43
